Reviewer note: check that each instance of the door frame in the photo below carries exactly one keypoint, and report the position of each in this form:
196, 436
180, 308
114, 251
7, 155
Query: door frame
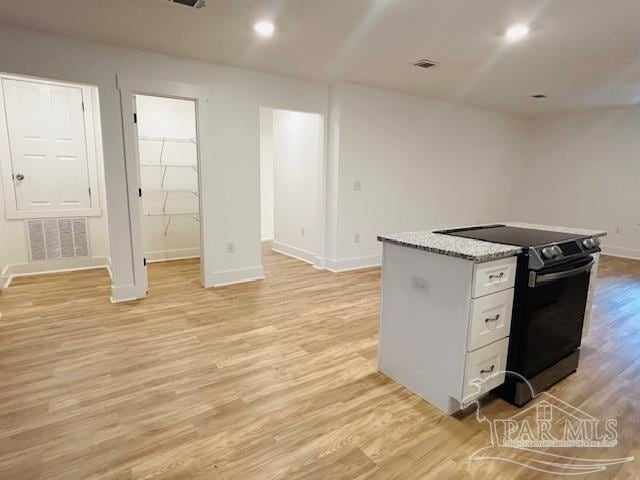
319, 261
6, 162
129, 86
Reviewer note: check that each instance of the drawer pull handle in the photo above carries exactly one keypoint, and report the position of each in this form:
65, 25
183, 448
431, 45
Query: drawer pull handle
493, 367
492, 319
496, 276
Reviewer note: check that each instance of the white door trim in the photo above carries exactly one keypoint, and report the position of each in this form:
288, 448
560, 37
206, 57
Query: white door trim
320, 247
133, 85
6, 167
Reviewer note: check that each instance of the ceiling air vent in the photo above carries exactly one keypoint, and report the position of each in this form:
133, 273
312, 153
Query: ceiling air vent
191, 3
424, 63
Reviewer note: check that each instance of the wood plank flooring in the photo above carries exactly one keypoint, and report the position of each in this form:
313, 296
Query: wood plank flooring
270, 380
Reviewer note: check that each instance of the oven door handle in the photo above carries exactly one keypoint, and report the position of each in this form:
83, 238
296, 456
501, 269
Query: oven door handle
536, 280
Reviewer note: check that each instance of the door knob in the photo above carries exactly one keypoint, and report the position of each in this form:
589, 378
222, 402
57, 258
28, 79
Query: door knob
19, 176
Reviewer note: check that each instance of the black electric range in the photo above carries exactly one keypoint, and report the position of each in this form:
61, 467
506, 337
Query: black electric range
550, 298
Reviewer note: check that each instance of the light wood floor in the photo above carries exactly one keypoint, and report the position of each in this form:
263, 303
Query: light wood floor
271, 380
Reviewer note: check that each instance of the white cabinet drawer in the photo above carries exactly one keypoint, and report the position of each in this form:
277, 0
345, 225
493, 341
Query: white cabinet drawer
492, 277
490, 319
480, 367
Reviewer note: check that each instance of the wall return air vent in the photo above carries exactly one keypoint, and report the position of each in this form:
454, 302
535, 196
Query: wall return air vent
52, 238
424, 63
191, 3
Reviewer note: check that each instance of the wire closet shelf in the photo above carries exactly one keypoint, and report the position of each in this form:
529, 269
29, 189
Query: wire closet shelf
167, 167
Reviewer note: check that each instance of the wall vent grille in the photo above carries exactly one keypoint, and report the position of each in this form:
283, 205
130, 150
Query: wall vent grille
51, 238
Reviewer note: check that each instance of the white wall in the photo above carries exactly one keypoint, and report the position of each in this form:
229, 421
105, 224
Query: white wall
297, 161
14, 259
584, 171
266, 174
175, 121
231, 174
422, 164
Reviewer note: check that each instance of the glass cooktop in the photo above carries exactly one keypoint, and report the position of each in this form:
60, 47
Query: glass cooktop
522, 237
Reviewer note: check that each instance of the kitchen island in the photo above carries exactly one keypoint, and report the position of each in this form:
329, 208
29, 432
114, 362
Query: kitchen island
447, 306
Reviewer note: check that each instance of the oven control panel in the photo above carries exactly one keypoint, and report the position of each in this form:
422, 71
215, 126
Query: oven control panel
540, 257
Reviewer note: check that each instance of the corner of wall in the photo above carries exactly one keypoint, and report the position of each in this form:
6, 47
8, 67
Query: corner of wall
332, 171
294, 252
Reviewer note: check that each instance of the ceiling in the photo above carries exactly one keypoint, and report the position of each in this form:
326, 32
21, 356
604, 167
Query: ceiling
581, 53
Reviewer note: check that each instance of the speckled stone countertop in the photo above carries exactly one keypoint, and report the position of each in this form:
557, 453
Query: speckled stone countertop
552, 228
468, 248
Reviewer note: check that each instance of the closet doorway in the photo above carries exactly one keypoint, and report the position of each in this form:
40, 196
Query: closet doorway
169, 178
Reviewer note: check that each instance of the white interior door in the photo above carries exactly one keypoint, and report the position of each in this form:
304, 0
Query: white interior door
47, 141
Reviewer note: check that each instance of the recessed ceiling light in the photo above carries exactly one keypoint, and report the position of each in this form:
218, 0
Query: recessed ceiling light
264, 28
516, 32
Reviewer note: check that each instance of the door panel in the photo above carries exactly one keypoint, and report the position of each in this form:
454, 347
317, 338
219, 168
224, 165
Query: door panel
48, 145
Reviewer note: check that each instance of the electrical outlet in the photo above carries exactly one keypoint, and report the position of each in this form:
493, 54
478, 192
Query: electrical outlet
302, 231
357, 186
419, 283
231, 247
356, 238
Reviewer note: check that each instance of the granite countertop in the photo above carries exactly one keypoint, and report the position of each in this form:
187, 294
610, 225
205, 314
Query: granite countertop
552, 228
470, 249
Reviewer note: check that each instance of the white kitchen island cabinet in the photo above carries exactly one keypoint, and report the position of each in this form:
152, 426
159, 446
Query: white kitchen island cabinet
445, 316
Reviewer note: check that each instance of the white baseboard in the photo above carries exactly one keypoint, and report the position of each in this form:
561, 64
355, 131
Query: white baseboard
267, 236
297, 253
232, 277
176, 254
624, 252
109, 269
126, 293
5, 278
319, 263
357, 263
51, 266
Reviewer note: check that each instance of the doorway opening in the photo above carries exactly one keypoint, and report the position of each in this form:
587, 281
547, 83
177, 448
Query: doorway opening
52, 194
169, 178
292, 184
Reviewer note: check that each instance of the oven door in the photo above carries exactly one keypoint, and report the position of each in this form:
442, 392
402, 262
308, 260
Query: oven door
554, 312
